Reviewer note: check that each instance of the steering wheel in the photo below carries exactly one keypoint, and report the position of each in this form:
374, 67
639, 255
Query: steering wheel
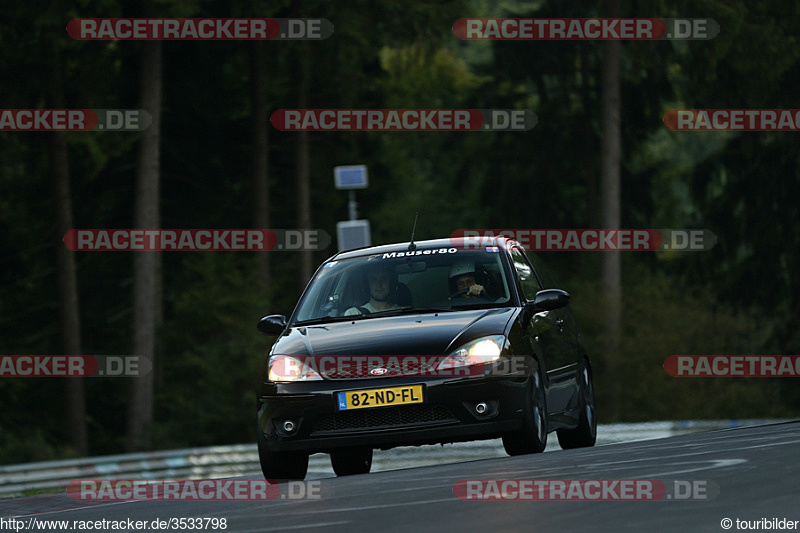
459, 294
482, 296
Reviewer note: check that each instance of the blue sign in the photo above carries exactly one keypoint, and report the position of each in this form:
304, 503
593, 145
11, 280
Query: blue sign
350, 177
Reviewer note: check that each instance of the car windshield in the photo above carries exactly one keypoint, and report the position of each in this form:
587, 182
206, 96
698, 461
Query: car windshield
427, 279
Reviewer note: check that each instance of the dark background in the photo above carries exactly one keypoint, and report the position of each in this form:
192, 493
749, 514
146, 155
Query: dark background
741, 297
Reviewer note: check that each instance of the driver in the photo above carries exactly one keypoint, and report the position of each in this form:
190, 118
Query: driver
382, 281
463, 282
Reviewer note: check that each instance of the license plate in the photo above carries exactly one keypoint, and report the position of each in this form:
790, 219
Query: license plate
363, 399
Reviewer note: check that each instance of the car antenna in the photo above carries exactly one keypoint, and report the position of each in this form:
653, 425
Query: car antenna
411, 245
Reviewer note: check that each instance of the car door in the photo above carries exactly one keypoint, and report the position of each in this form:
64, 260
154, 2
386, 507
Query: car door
570, 324
549, 331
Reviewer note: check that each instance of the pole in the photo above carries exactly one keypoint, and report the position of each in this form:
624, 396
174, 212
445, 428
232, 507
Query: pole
352, 205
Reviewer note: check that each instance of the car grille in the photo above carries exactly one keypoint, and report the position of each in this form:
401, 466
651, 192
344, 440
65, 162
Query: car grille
385, 417
390, 366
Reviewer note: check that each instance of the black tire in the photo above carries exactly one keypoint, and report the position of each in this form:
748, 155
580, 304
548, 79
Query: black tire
281, 465
585, 434
532, 437
351, 461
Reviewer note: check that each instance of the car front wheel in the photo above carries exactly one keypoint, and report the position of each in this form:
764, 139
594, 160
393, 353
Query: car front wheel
532, 437
351, 461
281, 465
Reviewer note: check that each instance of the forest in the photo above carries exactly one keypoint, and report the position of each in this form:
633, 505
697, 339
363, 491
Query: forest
599, 156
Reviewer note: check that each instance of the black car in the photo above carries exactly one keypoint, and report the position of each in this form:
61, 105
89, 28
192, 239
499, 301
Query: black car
422, 343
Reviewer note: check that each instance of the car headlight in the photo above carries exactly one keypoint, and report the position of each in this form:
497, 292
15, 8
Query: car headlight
477, 352
288, 368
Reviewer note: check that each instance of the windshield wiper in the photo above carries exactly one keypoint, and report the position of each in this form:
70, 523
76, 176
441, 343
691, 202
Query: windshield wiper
389, 312
328, 319
412, 310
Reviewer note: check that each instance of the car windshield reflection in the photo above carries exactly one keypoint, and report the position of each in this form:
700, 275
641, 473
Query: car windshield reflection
379, 285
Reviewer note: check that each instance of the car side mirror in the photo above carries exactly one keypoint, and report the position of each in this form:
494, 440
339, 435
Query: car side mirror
547, 300
272, 324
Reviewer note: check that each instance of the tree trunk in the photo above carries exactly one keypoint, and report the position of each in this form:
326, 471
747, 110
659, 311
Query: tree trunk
67, 277
610, 207
261, 218
587, 134
146, 265
303, 175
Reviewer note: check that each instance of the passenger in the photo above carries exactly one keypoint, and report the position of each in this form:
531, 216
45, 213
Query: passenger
382, 282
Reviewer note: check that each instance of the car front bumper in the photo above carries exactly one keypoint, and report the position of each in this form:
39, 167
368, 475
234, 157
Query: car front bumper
447, 413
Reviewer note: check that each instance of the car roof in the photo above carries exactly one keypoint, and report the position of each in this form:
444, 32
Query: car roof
471, 243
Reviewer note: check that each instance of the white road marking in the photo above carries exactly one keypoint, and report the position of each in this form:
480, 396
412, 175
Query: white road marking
285, 528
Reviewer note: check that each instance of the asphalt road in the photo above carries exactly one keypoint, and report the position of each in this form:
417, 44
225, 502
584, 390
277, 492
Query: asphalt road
747, 474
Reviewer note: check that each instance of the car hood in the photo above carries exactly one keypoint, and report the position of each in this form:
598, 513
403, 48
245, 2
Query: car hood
417, 334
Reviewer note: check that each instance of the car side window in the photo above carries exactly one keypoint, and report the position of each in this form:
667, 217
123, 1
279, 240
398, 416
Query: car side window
527, 276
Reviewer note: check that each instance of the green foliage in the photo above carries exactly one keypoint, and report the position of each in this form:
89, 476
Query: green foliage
32, 445
741, 297
211, 357
664, 316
